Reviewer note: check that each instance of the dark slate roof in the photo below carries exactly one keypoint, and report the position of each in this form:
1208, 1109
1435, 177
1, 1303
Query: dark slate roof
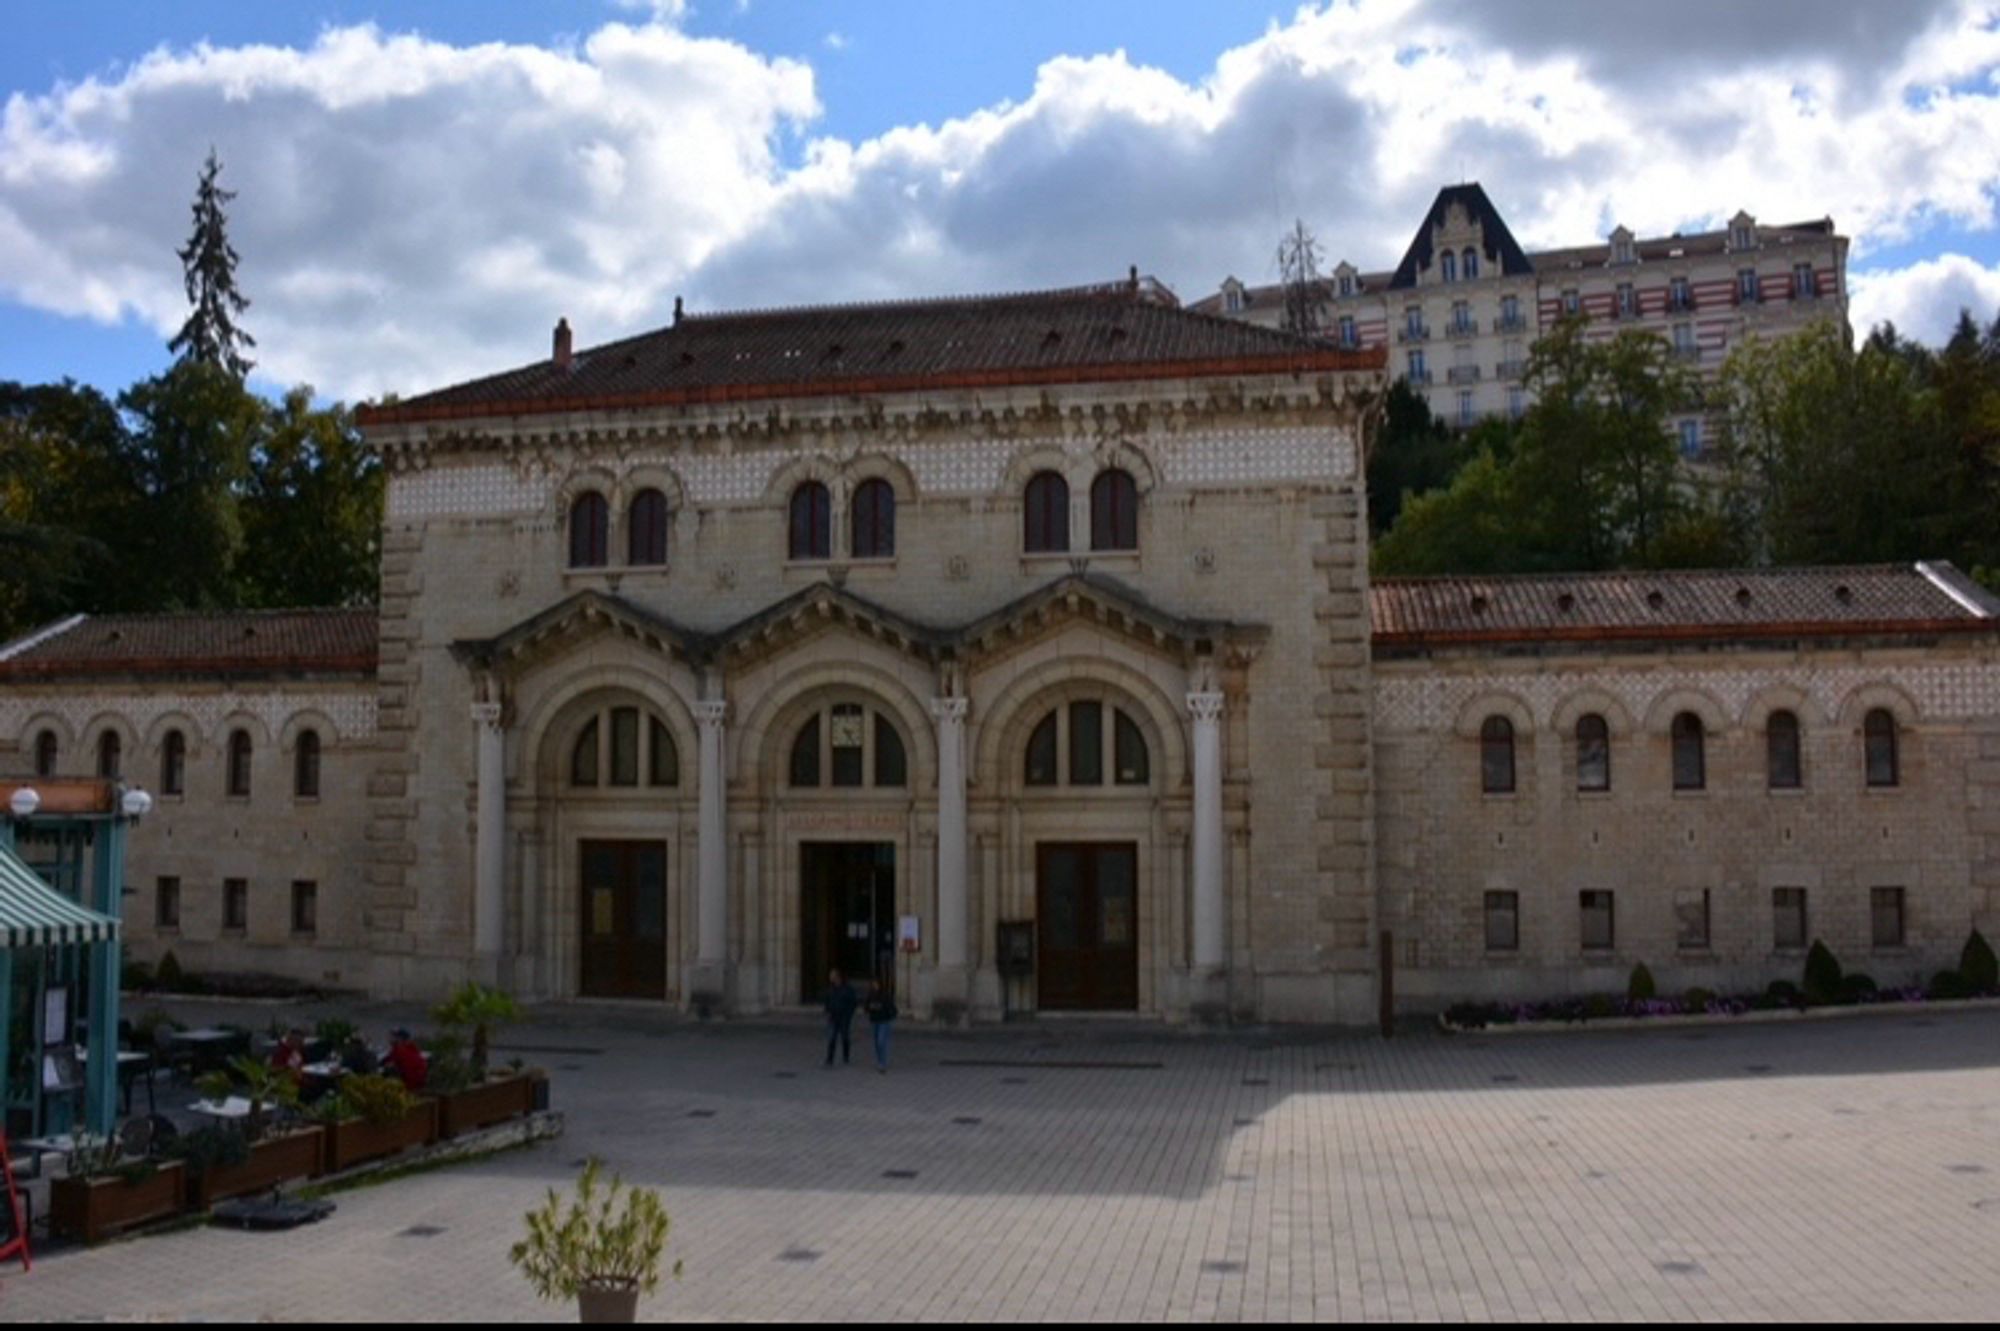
1500, 246
1771, 239
1122, 330
208, 643
1709, 604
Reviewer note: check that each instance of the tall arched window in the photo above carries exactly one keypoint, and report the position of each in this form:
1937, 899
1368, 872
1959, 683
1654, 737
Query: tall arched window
624, 748
1496, 754
663, 766
848, 744
1114, 511
1045, 513
1878, 737
239, 764
873, 534
583, 756
589, 531
1690, 756
1076, 733
173, 764
646, 530
1782, 768
1448, 266
1469, 264
46, 749
1593, 753
811, 523
110, 755
305, 766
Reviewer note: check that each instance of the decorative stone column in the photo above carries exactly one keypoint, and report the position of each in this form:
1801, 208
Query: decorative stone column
1210, 910
712, 857
489, 852
952, 900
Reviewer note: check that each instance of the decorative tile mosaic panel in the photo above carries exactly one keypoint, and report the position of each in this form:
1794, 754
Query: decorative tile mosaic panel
352, 714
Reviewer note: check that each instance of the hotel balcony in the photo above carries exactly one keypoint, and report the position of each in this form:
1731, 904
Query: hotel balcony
1464, 374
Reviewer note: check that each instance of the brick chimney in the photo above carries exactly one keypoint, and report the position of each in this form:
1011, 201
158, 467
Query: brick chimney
562, 344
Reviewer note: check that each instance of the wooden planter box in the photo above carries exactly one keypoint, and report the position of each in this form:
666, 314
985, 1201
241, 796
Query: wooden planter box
498, 1100
295, 1154
89, 1209
350, 1141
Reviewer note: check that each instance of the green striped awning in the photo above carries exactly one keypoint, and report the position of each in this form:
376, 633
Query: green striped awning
33, 914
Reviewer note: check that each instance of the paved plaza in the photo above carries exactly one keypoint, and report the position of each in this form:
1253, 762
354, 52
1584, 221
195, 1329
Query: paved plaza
1805, 1171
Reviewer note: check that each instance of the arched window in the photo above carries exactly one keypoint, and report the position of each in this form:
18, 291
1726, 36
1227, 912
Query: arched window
848, 744
1114, 512
1448, 266
646, 530
1045, 513
1593, 753
1496, 754
1690, 756
110, 755
1071, 740
239, 764
623, 748
663, 765
583, 757
1469, 265
1878, 736
811, 531
1782, 768
873, 534
46, 749
305, 766
173, 764
589, 531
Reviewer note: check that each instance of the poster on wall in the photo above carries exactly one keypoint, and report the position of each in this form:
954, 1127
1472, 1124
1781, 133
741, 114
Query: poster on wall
907, 935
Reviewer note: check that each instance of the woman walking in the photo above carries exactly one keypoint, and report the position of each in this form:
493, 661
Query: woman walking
881, 1010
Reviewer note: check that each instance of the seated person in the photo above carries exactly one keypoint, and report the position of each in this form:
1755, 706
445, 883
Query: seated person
357, 1057
405, 1060
289, 1055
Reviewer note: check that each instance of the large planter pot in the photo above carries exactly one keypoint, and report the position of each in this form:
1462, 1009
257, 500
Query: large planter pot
607, 1305
278, 1159
350, 1141
495, 1101
91, 1208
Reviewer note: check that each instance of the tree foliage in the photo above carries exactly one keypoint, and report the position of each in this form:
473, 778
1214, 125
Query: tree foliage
208, 264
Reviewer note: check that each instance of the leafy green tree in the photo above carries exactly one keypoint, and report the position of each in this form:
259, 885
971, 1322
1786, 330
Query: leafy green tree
311, 510
193, 429
208, 262
1413, 452
63, 487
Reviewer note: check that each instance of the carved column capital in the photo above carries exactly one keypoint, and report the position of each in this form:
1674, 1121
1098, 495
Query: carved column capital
949, 711
710, 712
487, 714
1205, 706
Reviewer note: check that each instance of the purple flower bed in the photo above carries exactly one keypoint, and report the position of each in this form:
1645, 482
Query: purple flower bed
1599, 1007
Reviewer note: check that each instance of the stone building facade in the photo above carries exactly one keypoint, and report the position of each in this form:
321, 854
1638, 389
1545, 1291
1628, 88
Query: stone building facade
895, 637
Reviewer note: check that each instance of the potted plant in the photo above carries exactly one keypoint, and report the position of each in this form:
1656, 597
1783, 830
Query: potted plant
105, 1190
468, 1097
373, 1116
272, 1152
594, 1250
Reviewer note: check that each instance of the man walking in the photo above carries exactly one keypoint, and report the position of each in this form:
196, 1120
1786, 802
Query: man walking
840, 1002
881, 1009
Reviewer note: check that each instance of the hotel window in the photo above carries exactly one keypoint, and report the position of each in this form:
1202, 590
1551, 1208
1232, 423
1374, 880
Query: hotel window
1803, 285
1470, 264
1742, 238
1679, 297
1503, 921
235, 905
1690, 435
1461, 317
1114, 511
1684, 339
1782, 769
1628, 301
1691, 920
1885, 915
1496, 756
1517, 403
173, 764
1419, 373
1621, 251
1045, 514
167, 903
589, 531
305, 766
1788, 918
1413, 321
1510, 311
1465, 412
845, 742
873, 534
1746, 285
1232, 300
1346, 285
1593, 753
810, 535
305, 908
110, 755
1347, 337
646, 530
1690, 760
1571, 302
1878, 735
1448, 266
239, 765
1598, 927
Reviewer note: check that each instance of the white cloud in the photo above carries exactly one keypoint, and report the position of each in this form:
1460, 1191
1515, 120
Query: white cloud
836, 41
1923, 300
413, 213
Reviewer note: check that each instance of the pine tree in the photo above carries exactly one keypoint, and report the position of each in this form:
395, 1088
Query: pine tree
210, 335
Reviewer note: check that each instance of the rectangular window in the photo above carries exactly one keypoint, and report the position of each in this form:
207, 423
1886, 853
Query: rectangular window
305, 907
167, 904
1461, 317
1413, 321
1465, 416
1885, 911
1599, 933
1418, 373
1347, 337
1510, 311
1516, 403
1746, 285
1503, 921
1691, 919
1788, 918
1086, 744
1571, 303
624, 746
1679, 297
1803, 285
1628, 301
1690, 432
845, 738
235, 905
1684, 338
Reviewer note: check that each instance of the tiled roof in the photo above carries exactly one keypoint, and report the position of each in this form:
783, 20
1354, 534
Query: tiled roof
1121, 330
217, 643
1751, 603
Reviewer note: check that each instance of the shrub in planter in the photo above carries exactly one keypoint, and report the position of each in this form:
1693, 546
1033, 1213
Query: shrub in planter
373, 1116
105, 1190
1950, 984
1640, 988
264, 1086
1822, 974
473, 1006
1978, 965
593, 1250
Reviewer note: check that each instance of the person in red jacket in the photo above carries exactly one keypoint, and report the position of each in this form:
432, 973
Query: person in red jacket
406, 1060
289, 1056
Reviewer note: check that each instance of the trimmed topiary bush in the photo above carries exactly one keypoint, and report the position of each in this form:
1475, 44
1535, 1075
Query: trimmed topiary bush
1640, 988
1856, 987
1977, 964
1950, 984
167, 975
1822, 977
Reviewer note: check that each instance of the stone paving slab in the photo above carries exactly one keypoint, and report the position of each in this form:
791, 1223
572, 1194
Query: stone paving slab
1829, 1171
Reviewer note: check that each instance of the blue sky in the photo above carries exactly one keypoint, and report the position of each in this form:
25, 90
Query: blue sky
424, 188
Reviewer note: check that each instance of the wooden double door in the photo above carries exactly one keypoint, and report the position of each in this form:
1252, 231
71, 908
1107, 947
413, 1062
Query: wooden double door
1087, 925
622, 900
847, 913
